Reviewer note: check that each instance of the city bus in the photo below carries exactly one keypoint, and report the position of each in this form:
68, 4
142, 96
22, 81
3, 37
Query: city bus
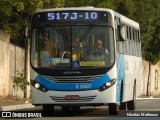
85, 56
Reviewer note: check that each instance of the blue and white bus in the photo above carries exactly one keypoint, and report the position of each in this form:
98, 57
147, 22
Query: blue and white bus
85, 56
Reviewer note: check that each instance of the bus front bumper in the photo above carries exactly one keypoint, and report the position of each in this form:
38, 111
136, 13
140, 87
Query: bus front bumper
89, 97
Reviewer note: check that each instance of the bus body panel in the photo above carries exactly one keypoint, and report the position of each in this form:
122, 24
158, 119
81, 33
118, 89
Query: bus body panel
100, 97
51, 84
133, 73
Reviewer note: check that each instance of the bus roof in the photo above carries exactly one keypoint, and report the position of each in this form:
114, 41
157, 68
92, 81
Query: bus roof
90, 8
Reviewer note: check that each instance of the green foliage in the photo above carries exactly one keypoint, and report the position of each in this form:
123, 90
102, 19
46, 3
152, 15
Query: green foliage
20, 80
125, 7
5, 14
148, 14
94, 3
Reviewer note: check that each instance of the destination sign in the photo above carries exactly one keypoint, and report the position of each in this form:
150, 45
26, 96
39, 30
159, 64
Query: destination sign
72, 16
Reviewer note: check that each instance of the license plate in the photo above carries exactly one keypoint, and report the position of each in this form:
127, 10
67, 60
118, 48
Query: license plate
72, 97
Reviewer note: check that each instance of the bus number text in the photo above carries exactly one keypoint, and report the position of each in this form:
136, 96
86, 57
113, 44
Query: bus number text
83, 86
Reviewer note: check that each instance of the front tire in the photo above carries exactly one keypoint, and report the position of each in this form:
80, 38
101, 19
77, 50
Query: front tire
75, 108
66, 109
113, 108
48, 109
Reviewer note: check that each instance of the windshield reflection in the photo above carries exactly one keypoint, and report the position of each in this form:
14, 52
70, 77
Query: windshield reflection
75, 47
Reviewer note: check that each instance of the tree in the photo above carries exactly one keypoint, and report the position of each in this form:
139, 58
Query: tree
94, 3
9, 18
125, 7
147, 14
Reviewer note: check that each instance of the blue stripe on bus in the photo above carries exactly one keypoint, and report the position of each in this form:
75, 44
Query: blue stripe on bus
51, 85
120, 75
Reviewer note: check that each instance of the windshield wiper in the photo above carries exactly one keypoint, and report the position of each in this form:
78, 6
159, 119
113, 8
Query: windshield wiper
87, 31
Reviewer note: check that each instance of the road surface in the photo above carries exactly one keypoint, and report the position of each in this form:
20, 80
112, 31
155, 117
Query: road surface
145, 110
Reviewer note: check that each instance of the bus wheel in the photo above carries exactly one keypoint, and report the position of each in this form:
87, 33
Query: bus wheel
122, 106
48, 109
66, 109
75, 108
131, 104
113, 108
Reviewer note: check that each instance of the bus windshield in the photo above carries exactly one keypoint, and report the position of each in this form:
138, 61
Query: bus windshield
72, 47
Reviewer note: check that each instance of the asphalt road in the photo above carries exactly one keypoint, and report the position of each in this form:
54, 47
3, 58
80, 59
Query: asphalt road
145, 110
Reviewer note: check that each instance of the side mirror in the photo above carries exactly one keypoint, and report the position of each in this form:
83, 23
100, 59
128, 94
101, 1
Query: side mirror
122, 32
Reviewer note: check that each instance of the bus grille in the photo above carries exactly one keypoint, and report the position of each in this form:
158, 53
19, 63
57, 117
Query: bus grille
72, 79
81, 99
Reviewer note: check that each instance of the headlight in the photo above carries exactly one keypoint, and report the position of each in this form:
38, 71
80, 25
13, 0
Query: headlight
107, 85
38, 86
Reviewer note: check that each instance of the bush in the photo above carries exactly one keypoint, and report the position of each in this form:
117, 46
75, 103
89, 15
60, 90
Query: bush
20, 80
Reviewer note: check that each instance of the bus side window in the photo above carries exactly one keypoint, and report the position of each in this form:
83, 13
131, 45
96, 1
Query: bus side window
117, 34
130, 41
139, 43
120, 33
135, 42
124, 43
127, 40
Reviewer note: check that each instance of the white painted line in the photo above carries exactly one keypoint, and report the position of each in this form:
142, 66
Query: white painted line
151, 98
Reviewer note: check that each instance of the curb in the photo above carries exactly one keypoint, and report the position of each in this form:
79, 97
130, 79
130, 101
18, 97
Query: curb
150, 98
16, 107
